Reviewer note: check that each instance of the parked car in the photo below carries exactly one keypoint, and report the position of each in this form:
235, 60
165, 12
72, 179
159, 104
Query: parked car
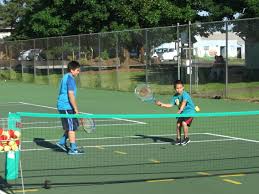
31, 54
165, 52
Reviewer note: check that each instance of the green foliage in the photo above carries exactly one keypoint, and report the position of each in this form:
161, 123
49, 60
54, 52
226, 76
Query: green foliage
36, 18
105, 55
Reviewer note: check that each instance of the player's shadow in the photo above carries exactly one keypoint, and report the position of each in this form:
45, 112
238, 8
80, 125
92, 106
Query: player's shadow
157, 138
46, 144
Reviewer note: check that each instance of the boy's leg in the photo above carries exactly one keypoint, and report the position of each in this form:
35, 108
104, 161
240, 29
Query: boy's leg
186, 139
178, 134
62, 141
72, 138
185, 129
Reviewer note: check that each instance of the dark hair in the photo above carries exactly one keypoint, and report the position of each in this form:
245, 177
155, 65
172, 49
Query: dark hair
178, 82
72, 65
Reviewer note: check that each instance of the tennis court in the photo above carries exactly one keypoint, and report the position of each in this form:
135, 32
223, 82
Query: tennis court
134, 153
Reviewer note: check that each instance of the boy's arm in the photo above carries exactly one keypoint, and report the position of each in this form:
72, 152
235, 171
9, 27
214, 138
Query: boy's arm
164, 105
184, 102
72, 100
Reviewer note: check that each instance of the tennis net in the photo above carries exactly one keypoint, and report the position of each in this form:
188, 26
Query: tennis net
137, 147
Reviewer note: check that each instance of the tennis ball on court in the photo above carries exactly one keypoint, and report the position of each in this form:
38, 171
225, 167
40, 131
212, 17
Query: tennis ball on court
7, 148
17, 134
197, 109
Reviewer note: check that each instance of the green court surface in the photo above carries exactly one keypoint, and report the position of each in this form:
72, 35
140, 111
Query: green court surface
133, 155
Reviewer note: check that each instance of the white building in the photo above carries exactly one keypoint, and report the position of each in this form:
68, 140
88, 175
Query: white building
215, 44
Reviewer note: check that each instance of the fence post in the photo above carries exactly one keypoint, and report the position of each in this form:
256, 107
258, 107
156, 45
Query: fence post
226, 66
178, 53
190, 56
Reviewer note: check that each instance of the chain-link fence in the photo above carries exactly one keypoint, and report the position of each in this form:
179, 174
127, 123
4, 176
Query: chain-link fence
213, 59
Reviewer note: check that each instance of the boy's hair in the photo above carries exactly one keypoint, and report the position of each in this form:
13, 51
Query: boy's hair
177, 82
72, 65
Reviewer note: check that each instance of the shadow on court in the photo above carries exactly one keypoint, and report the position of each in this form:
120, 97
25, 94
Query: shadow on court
46, 144
157, 138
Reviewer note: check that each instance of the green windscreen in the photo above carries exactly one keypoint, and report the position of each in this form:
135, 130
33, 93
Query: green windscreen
138, 147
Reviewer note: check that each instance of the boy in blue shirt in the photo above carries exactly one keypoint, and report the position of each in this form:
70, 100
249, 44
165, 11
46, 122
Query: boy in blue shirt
186, 106
67, 104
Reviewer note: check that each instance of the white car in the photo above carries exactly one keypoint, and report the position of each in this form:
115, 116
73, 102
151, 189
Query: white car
30, 54
165, 54
169, 55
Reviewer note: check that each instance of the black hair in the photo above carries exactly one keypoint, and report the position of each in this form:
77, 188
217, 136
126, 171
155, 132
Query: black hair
178, 82
72, 65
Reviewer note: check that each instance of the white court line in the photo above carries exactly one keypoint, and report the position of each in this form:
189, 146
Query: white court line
133, 144
43, 106
119, 137
235, 138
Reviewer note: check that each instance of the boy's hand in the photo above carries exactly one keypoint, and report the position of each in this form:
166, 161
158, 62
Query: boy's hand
158, 103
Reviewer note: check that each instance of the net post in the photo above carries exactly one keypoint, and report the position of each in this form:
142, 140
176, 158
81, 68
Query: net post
12, 157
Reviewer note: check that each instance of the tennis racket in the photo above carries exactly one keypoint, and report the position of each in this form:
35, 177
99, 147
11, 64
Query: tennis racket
145, 93
87, 124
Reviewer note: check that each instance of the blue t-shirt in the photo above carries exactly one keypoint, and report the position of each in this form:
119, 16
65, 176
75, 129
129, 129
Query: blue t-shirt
189, 108
67, 83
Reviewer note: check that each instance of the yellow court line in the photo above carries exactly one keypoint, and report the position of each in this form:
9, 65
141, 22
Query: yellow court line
119, 152
204, 173
231, 175
25, 190
162, 180
231, 181
155, 161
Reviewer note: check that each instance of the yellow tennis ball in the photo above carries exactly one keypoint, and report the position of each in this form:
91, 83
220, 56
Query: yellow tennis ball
11, 143
17, 134
197, 109
5, 133
14, 147
7, 148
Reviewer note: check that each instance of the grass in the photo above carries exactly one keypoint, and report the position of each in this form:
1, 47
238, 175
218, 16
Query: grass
126, 80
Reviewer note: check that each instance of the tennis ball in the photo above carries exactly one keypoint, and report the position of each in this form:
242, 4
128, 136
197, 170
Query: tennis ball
10, 143
1, 131
7, 148
197, 109
11, 133
17, 134
14, 147
17, 142
4, 139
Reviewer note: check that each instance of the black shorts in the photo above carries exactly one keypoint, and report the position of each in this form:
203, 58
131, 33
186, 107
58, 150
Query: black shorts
69, 124
187, 120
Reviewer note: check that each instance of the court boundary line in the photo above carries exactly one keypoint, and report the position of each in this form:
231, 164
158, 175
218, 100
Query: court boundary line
119, 137
50, 107
231, 137
133, 144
